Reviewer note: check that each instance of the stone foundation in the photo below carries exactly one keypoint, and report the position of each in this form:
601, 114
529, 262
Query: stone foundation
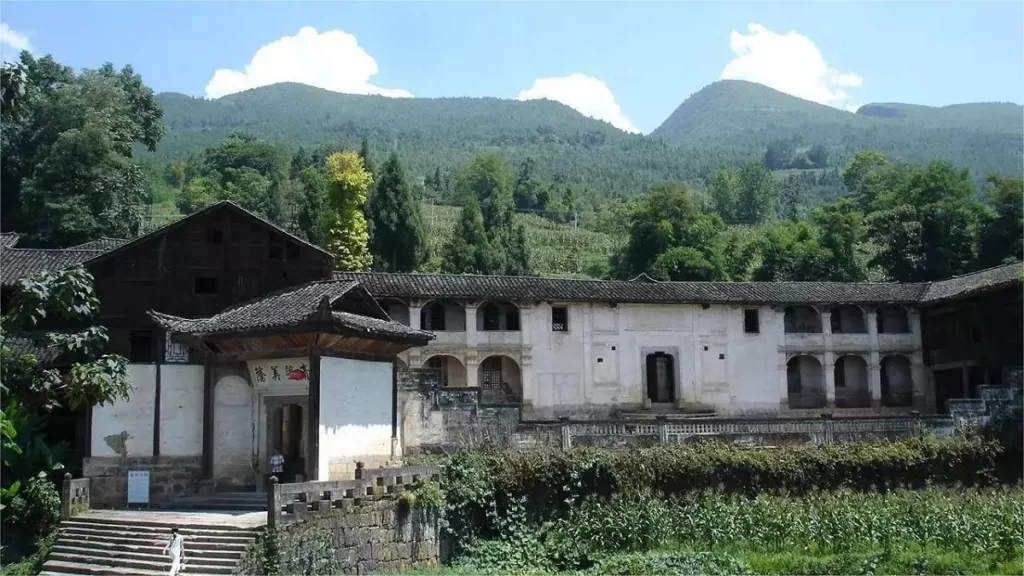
169, 476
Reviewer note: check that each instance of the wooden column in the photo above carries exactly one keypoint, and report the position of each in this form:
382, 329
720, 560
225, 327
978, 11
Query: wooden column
208, 404
394, 410
313, 422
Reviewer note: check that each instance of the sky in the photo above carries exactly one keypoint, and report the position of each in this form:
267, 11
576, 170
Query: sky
629, 64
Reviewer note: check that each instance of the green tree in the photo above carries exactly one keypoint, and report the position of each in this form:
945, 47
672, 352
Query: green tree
469, 250
487, 178
791, 252
670, 238
313, 197
67, 170
861, 177
841, 232
364, 154
346, 233
1002, 224
397, 239
757, 193
723, 190
818, 155
525, 193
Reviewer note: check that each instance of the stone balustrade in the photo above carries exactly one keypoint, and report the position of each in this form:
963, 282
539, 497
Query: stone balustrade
75, 496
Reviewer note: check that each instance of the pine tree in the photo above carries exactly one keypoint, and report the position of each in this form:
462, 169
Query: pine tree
397, 239
346, 232
364, 153
469, 251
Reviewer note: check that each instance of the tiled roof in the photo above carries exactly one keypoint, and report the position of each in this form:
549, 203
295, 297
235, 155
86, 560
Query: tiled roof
288, 308
17, 263
975, 282
103, 244
23, 345
8, 239
525, 288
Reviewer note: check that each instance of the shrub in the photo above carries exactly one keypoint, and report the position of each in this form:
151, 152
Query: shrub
671, 564
304, 549
34, 513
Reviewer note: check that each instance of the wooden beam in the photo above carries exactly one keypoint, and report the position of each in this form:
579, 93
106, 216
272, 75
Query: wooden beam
156, 409
313, 422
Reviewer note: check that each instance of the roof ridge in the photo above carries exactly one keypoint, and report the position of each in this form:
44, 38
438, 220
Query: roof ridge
275, 293
966, 274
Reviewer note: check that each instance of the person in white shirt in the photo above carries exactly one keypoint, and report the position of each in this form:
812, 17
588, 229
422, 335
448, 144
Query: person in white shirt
277, 464
176, 548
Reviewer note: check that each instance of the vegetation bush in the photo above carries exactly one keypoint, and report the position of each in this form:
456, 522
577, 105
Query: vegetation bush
32, 515
304, 549
482, 486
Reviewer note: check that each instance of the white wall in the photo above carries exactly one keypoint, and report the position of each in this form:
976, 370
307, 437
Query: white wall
181, 410
233, 431
131, 420
355, 414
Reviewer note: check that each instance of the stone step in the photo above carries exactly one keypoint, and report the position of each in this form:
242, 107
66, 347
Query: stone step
61, 568
227, 551
164, 564
198, 558
129, 537
154, 526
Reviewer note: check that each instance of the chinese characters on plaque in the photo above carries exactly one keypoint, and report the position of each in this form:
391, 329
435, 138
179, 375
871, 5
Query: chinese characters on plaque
279, 371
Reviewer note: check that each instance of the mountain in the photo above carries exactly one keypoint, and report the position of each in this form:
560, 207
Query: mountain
744, 116
726, 122
433, 133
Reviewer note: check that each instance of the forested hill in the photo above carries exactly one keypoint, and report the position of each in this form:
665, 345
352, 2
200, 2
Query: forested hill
725, 123
443, 133
738, 115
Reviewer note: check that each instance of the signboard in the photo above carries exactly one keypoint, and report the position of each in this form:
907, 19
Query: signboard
279, 371
138, 486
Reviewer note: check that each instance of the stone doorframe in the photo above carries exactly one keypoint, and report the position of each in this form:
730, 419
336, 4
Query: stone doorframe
269, 404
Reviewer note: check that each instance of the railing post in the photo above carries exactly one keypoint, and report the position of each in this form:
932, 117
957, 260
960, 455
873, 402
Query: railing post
65, 497
273, 503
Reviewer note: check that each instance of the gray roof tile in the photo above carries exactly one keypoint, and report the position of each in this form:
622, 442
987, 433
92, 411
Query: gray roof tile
17, 263
974, 283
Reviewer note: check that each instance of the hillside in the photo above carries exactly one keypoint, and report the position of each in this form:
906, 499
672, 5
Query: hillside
432, 133
743, 116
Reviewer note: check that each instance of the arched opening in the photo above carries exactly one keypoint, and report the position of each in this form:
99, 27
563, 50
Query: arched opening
452, 372
851, 379
661, 377
396, 309
500, 381
847, 320
897, 381
893, 320
286, 439
802, 320
497, 316
443, 316
805, 382
232, 430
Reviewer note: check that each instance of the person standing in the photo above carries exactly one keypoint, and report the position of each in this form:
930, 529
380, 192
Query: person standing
176, 548
277, 464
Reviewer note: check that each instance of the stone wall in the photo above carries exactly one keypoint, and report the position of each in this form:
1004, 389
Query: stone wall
169, 476
371, 526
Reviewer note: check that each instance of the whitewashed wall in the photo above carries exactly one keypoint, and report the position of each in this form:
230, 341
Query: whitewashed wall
131, 421
233, 431
181, 410
355, 415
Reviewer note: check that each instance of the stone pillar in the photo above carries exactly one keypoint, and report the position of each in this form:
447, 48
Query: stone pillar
526, 378
830, 380
783, 385
874, 366
415, 310
472, 370
924, 395
965, 376
471, 327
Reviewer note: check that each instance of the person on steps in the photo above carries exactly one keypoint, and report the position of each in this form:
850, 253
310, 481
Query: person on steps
277, 465
176, 548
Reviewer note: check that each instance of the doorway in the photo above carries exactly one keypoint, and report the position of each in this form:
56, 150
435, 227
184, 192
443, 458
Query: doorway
661, 381
286, 433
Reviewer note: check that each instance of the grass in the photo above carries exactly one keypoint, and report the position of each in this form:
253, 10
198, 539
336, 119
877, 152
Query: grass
32, 564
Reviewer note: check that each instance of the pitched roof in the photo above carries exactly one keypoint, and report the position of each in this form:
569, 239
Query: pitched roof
223, 204
293, 307
25, 345
102, 244
974, 283
8, 239
17, 263
466, 286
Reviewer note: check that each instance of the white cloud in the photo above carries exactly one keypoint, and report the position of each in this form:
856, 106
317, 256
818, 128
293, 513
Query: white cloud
586, 94
789, 63
332, 60
11, 38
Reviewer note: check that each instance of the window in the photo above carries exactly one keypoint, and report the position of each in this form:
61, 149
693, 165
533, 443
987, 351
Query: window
559, 319
215, 236
512, 319
205, 285
141, 346
751, 322
433, 317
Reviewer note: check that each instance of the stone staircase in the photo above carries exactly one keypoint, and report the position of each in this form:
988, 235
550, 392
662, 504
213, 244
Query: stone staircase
132, 543
220, 501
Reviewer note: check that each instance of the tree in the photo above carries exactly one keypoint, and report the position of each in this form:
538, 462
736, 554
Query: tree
670, 238
779, 154
724, 193
469, 250
861, 177
487, 179
791, 252
346, 234
757, 195
818, 155
364, 154
525, 193
312, 198
397, 239
1002, 224
67, 169
841, 231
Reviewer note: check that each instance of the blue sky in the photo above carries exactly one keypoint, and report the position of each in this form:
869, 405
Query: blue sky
628, 63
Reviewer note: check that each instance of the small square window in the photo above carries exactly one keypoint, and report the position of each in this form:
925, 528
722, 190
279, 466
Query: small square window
205, 285
559, 319
751, 322
140, 346
215, 236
